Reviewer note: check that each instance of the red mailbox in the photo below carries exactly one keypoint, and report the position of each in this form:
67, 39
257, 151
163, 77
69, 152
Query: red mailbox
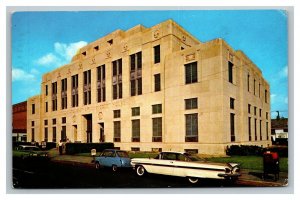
271, 164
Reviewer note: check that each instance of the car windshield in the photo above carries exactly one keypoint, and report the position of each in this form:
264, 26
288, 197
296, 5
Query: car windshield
122, 154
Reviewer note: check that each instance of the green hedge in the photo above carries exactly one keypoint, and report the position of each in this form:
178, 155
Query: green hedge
74, 148
244, 150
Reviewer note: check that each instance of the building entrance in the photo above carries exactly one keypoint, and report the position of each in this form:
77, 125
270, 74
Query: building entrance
89, 128
102, 136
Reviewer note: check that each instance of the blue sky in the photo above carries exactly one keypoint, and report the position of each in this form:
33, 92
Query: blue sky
43, 41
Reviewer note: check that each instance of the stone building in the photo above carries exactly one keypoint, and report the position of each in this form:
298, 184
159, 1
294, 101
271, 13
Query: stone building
152, 89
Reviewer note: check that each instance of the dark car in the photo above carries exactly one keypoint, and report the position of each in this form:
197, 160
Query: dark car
113, 158
28, 151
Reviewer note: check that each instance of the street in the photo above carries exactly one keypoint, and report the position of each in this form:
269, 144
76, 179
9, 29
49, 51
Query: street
54, 175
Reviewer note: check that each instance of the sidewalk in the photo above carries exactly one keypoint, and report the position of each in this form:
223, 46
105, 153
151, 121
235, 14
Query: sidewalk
252, 176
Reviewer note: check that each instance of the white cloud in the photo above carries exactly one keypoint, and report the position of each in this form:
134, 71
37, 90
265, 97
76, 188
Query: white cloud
273, 98
62, 54
21, 75
67, 51
284, 72
49, 59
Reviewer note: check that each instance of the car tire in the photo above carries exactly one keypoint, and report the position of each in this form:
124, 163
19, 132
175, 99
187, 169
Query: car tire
97, 165
140, 170
114, 168
193, 180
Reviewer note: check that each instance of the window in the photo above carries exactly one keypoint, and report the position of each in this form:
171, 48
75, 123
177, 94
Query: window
46, 106
136, 130
64, 93
230, 71
266, 96
254, 84
87, 87
32, 135
255, 131
136, 74
32, 108
231, 103
53, 121
267, 130
249, 128
46, 90
191, 103
32, 123
46, 135
117, 79
117, 131
157, 129
53, 134
101, 96
157, 54
46, 122
117, 113
260, 112
191, 128
54, 96
260, 136
267, 115
191, 151
156, 109
259, 90
156, 82
232, 127
135, 149
64, 120
254, 110
248, 82
249, 108
135, 111
191, 73
75, 90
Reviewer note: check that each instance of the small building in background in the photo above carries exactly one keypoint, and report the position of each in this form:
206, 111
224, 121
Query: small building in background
19, 122
279, 131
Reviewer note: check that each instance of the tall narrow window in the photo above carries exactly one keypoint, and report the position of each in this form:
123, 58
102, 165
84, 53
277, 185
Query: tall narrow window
248, 82
191, 127
156, 82
46, 106
46, 134
259, 90
232, 127
54, 96
260, 136
191, 103
136, 130
266, 96
87, 87
157, 129
267, 130
75, 90
231, 103
255, 129
53, 134
254, 88
157, 54
101, 84
32, 135
32, 108
249, 108
191, 73
117, 131
46, 90
136, 74
64, 93
230, 72
117, 79
249, 128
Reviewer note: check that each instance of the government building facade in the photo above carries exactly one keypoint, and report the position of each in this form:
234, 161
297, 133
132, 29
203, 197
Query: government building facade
153, 89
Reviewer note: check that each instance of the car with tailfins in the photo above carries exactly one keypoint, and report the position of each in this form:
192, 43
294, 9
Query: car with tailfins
185, 165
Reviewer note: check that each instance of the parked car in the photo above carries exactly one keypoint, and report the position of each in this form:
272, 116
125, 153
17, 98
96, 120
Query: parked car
28, 151
113, 158
185, 165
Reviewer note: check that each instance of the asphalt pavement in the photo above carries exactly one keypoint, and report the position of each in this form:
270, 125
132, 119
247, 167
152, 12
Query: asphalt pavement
249, 177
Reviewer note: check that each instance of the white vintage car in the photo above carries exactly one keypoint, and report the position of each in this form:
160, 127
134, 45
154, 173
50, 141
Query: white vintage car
185, 165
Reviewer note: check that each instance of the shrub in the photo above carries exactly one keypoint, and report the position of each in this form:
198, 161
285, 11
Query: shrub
74, 148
